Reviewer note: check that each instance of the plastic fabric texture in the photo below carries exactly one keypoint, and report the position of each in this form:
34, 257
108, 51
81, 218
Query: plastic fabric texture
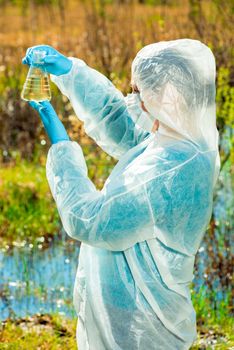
141, 232
53, 125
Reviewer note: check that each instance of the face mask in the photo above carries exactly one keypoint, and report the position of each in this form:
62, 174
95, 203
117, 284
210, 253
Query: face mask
143, 119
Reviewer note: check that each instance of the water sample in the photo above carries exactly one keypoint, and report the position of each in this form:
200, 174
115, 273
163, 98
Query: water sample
37, 85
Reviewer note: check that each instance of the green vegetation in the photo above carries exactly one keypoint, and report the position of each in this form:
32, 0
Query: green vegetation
225, 112
48, 332
53, 332
210, 311
26, 206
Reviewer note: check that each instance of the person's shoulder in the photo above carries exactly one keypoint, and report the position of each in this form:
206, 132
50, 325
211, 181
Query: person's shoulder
193, 163
175, 153
181, 150
185, 157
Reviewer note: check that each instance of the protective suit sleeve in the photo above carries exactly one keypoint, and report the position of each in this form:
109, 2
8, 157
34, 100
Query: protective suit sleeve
110, 219
101, 107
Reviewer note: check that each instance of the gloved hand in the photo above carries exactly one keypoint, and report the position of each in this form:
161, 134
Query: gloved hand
54, 62
51, 121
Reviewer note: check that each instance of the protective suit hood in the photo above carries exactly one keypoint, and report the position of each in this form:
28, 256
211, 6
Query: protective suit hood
176, 80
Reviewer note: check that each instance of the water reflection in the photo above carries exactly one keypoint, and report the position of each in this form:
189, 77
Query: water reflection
34, 280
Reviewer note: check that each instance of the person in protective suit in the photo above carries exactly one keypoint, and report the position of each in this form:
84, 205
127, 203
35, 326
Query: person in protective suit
141, 232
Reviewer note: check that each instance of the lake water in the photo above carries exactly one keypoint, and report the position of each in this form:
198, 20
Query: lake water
36, 280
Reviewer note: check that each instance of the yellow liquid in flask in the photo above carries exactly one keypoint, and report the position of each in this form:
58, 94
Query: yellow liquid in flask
37, 86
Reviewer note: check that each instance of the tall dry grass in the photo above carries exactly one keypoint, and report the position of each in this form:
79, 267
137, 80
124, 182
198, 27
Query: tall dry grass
107, 35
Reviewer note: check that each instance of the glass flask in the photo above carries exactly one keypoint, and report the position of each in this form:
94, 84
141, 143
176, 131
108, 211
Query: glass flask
37, 85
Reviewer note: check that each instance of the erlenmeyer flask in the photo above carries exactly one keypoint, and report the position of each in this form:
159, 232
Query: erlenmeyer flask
37, 85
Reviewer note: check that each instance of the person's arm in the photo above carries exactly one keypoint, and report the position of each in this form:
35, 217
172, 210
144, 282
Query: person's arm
115, 218
101, 107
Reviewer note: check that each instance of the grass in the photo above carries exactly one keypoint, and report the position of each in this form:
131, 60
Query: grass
27, 210
48, 332
209, 309
53, 332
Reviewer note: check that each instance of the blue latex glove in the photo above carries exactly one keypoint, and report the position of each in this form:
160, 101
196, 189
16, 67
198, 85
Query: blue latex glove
54, 62
51, 121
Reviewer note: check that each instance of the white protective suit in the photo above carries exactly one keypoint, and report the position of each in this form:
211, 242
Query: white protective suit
141, 232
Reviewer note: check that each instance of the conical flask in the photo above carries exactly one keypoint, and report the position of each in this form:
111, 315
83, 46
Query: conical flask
37, 85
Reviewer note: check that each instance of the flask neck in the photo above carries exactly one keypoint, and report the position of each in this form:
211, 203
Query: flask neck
38, 58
